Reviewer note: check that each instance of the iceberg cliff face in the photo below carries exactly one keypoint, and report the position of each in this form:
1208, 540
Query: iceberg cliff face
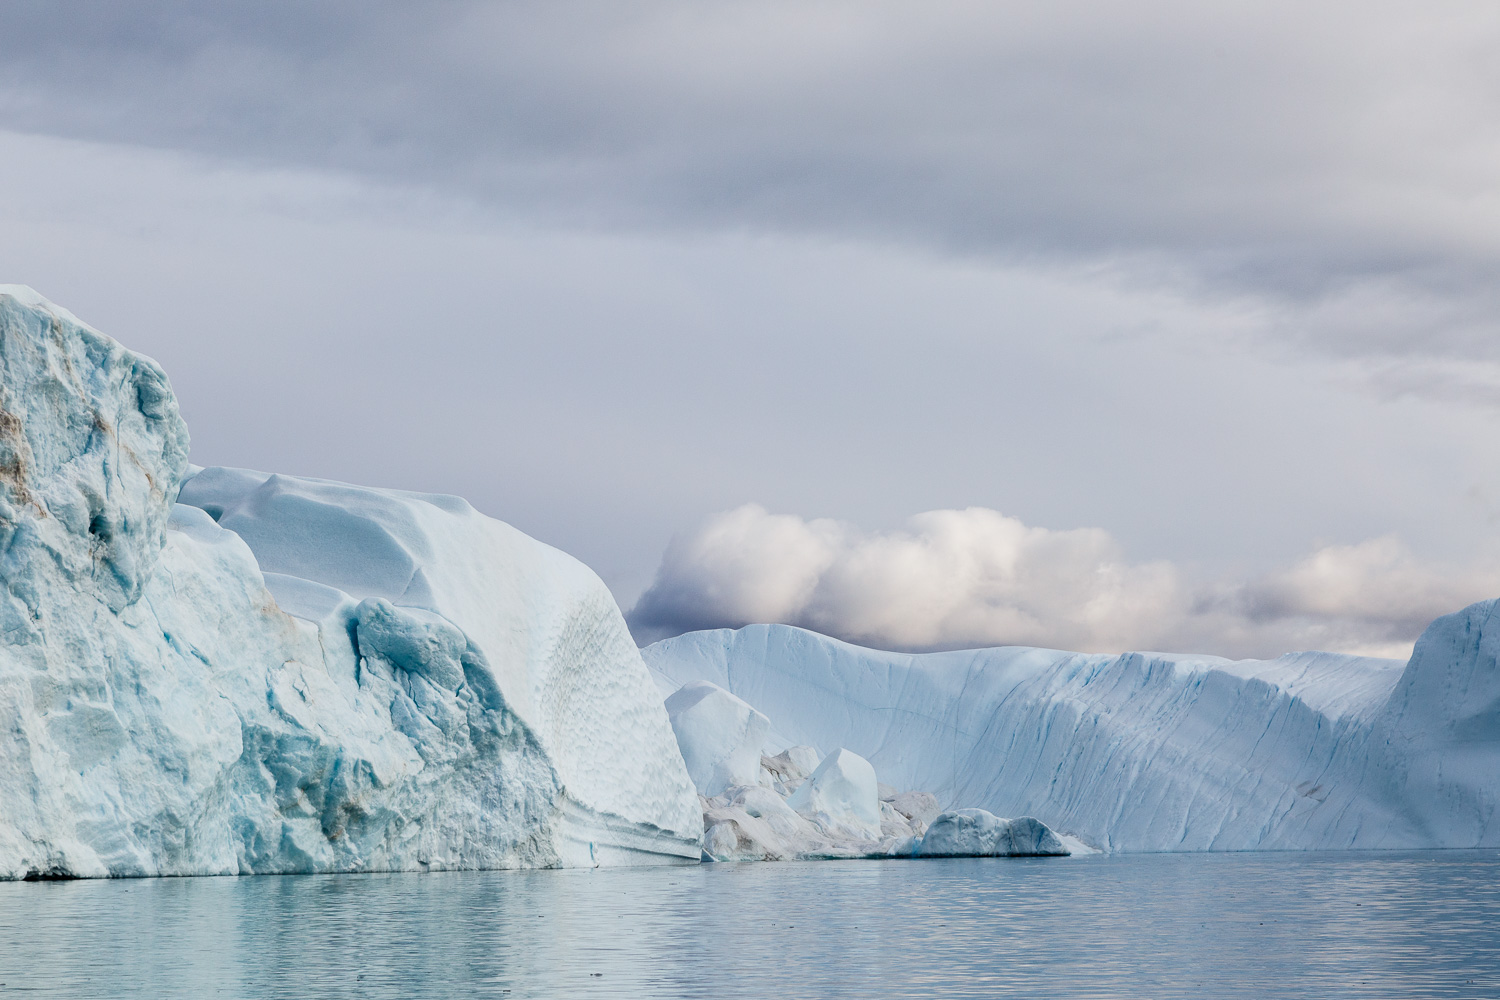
1437, 741
378, 680
1151, 752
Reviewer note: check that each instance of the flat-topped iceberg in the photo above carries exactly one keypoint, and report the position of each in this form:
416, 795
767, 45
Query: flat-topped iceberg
348, 680
1152, 752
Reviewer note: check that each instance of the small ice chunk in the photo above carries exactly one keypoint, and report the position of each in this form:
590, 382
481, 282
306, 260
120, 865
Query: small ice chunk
721, 842
893, 824
979, 833
719, 735
760, 802
731, 834
841, 795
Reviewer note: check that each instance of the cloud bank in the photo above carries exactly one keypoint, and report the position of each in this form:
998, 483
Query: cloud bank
967, 578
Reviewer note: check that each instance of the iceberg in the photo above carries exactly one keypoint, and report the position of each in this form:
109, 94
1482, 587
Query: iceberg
218, 671
978, 833
760, 823
1149, 751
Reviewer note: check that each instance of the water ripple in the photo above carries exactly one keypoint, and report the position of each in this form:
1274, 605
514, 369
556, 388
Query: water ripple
1261, 926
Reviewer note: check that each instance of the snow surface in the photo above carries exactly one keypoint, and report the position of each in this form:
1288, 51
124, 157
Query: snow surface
1146, 751
407, 685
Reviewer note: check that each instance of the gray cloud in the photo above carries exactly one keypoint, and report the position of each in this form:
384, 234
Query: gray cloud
1337, 166
601, 390
604, 268
969, 578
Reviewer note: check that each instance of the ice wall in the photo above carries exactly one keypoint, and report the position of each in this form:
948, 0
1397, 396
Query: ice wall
161, 712
1437, 740
1152, 752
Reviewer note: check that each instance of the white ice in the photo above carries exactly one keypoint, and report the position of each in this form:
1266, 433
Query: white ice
841, 796
799, 805
404, 569
720, 737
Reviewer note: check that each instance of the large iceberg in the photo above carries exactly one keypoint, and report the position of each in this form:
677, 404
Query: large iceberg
282, 674
1152, 752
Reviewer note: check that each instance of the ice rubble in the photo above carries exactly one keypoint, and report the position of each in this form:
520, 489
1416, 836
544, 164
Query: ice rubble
799, 804
428, 688
1153, 752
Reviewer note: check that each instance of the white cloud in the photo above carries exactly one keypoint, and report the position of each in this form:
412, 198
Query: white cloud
975, 577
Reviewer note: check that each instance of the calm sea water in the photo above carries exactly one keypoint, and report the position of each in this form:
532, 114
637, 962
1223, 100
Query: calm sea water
1199, 926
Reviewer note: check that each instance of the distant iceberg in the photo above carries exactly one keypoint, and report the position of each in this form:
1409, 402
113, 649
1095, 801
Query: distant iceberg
290, 675
1146, 751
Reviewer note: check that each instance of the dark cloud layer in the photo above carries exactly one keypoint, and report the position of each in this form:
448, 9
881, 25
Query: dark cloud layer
1336, 162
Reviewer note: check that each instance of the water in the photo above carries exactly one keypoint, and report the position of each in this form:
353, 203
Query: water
1155, 926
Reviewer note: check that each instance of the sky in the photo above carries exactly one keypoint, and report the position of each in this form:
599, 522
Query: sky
1141, 325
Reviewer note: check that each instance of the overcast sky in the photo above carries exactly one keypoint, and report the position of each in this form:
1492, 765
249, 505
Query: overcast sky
1101, 326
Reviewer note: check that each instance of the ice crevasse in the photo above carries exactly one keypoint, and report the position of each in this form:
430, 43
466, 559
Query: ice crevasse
220, 671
